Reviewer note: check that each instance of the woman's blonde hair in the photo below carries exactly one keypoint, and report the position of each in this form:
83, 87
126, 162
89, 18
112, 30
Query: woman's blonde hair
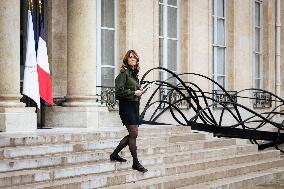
125, 61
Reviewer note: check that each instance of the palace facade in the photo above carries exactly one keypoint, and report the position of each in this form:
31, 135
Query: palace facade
238, 43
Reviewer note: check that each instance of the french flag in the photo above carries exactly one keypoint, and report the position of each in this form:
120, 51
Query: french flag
45, 88
30, 84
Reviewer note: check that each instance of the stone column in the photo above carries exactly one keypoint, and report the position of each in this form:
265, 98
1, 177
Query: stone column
243, 48
12, 111
57, 46
200, 57
80, 108
81, 53
142, 22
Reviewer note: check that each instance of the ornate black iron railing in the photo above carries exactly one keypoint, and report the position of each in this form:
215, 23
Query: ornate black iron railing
168, 95
227, 98
262, 100
107, 97
245, 122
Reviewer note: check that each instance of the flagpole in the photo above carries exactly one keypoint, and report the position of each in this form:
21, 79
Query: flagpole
29, 4
32, 7
40, 7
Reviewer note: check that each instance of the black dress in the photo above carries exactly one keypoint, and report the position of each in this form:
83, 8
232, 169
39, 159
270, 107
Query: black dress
126, 83
129, 112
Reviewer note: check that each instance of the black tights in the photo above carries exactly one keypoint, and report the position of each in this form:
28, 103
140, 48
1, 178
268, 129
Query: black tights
129, 140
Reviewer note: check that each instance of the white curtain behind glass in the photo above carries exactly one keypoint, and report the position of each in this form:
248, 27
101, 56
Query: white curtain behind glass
168, 36
258, 75
106, 69
219, 42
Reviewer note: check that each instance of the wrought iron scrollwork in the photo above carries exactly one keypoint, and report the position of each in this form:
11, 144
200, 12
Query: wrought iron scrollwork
107, 97
172, 96
226, 98
262, 100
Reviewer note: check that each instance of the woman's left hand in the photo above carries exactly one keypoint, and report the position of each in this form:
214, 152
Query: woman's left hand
138, 92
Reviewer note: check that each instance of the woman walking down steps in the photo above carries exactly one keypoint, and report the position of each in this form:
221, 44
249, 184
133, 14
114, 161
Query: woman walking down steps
128, 93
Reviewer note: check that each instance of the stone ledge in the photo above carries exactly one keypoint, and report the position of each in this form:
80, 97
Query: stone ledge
16, 119
82, 117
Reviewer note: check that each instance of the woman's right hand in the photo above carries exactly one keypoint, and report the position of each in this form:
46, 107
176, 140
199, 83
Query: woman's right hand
138, 92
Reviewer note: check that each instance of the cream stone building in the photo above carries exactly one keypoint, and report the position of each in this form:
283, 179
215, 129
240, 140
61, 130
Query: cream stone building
238, 43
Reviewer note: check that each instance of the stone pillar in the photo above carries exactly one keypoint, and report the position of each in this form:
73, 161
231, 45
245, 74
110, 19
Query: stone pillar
142, 22
57, 46
12, 111
243, 48
80, 108
200, 55
81, 53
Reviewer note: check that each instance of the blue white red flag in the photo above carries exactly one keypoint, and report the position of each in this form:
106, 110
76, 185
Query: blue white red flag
45, 88
30, 82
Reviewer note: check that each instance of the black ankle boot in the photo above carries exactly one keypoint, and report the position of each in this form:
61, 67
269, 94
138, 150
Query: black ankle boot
116, 157
139, 167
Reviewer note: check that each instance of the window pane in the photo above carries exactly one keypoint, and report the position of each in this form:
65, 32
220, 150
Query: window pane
220, 8
172, 55
107, 13
213, 5
221, 31
257, 14
172, 59
221, 81
257, 83
172, 22
221, 61
107, 77
214, 54
107, 48
172, 79
161, 1
257, 66
161, 75
172, 2
257, 39
214, 31
161, 51
161, 12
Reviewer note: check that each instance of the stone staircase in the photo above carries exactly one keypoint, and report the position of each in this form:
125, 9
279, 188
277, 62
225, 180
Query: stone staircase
174, 156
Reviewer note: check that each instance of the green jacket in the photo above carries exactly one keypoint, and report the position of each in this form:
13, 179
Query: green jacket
126, 83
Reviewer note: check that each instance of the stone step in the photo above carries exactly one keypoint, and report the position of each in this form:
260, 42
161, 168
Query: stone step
47, 160
195, 177
13, 152
66, 135
162, 169
196, 171
181, 167
245, 181
82, 157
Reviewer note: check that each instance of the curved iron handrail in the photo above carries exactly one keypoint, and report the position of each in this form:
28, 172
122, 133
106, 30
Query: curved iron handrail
202, 104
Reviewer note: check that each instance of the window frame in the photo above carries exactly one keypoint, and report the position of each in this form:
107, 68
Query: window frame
216, 46
99, 64
165, 37
260, 52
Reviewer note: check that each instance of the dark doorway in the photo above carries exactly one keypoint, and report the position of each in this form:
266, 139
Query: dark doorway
36, 11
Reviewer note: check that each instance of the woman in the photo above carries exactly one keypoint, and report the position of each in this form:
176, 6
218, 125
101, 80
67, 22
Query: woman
128, 93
